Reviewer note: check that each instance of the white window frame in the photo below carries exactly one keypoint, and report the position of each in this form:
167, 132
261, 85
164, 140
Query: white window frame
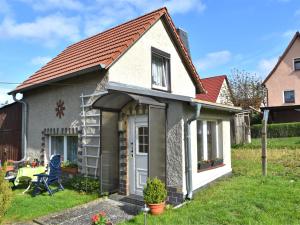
283, 97
294, 60
217, 139
65, 156
166, 58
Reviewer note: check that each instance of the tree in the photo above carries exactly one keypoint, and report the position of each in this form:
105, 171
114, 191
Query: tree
5, 193
247, 90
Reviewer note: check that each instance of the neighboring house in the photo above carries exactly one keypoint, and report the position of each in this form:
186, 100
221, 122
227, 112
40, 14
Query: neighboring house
10, 132
122, 104
283, 85
217, 90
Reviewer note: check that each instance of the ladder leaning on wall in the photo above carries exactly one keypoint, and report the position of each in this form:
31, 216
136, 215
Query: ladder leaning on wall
91, 121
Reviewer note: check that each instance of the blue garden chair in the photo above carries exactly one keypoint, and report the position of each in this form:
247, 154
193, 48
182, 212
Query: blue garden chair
44, 180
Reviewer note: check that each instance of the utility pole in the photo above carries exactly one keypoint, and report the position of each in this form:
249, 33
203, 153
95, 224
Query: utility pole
264, 142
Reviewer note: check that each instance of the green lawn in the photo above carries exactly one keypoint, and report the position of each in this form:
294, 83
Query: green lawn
273, 143
246, 197
25, 207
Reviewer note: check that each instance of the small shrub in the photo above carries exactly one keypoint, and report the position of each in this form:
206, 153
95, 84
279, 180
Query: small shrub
277, 130
84, 184
155, 191
68, 164
5, 193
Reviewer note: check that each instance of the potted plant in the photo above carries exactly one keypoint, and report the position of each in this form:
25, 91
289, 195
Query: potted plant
69, 167
217, 162
204, 164
100, 219
10, 165
155, 195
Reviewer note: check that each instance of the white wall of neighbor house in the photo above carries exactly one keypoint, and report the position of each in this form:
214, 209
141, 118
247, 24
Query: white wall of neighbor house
224, 95
134, 67
223, 130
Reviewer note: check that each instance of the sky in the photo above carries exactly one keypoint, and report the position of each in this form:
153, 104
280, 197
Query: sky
224, 35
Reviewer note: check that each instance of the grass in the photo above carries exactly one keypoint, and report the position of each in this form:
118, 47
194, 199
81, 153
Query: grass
246, 197
273, 143
25, 207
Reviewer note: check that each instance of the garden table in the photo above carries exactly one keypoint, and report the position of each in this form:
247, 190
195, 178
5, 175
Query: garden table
27, 174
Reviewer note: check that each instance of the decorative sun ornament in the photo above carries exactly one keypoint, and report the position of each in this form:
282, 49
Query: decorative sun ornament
60, 108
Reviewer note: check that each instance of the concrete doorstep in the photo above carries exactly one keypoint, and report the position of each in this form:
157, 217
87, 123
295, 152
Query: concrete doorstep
81, 215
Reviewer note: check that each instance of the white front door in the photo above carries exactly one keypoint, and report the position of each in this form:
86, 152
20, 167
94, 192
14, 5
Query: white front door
138, 147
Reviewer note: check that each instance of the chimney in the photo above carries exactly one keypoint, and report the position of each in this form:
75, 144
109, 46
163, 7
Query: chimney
185, 39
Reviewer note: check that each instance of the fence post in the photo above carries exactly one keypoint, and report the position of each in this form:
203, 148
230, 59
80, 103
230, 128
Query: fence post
264, 142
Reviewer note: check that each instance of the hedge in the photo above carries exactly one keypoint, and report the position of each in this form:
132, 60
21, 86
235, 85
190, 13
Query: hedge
277, 130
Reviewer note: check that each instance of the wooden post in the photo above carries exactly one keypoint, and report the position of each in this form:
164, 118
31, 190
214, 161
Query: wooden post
264, 142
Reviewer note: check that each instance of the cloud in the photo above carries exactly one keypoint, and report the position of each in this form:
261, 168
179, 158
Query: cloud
40, 60
4, 96
265, 66
4, 7
213, 60
44, 5
89, 17
49, 29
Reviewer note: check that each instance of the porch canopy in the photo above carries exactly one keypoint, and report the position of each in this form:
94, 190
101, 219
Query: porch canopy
112, 102
115, 101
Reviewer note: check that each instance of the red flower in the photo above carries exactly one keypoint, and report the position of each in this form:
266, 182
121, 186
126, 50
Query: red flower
95, 218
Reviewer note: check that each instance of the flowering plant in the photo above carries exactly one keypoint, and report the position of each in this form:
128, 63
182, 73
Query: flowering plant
100, 219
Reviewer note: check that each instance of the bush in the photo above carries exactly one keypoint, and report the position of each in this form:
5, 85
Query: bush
5, 193
84, 184
277, 130
155, 191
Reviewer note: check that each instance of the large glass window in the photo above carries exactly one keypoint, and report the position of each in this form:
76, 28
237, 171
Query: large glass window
289, 96
65, 146
209, 152
160, 71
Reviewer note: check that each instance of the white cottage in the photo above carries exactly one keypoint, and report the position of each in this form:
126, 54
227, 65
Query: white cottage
121, 104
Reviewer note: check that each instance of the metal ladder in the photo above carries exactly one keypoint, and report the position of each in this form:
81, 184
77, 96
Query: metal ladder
90, 134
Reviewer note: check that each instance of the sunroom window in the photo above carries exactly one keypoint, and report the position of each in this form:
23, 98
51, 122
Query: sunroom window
209, 152
160, 70
65, 146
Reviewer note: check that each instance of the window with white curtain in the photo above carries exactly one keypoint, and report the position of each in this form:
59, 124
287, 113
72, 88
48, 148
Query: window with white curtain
160, 70
65, 146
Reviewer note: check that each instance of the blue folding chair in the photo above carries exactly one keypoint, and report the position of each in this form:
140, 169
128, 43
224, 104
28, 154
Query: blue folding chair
44, 180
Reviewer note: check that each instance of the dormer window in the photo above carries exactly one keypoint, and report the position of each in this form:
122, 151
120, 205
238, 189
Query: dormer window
297, 64
160, 70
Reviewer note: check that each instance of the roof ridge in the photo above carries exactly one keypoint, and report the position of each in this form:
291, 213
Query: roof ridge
122, 24
214, 76
286, 50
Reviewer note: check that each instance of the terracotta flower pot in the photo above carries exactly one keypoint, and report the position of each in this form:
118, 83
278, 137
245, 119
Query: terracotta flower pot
70, 170
157, 209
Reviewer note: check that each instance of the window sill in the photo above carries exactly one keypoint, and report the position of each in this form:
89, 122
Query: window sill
211, 168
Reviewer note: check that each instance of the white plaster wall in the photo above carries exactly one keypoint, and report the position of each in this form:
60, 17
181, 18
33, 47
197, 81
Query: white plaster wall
42, 103
205, 177
224, 95
134, 67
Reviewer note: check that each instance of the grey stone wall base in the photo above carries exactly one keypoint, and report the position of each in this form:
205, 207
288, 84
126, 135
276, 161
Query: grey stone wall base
175, 196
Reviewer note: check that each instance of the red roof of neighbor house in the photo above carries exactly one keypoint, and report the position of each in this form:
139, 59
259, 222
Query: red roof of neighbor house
104, 49
212, 85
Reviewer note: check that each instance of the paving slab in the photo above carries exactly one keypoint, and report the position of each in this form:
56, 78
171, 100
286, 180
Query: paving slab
81, 215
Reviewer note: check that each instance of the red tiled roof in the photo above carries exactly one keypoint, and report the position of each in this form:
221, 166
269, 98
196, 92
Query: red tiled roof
212, 85
104, 49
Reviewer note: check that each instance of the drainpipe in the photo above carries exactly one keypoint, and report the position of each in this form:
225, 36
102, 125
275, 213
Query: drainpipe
24, 127
189, 171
